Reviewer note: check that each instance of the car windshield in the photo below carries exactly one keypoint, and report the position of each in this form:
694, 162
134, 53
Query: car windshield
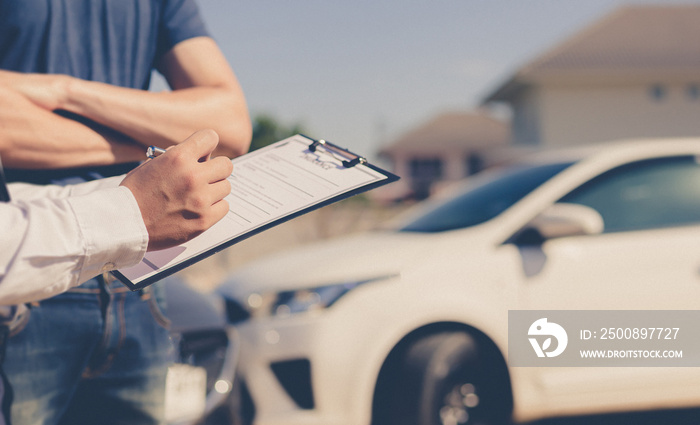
485, 198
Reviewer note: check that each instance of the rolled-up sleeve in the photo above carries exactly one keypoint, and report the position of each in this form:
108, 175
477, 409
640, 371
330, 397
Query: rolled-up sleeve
180, 21
49, 245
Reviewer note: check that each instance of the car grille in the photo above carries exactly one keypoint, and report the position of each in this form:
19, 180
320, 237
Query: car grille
205, 349
235, 312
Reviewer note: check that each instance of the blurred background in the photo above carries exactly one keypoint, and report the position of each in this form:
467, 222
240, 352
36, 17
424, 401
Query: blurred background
437, 91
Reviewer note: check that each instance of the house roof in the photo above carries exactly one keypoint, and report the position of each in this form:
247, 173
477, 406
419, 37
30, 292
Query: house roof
454, 131
632, 42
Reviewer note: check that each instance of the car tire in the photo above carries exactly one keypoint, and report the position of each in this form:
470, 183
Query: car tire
445, 379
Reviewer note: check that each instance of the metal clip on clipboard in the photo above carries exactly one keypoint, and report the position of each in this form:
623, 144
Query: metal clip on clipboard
350, 160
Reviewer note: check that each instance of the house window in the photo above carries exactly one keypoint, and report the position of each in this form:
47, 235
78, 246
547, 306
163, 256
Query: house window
658, 92
426, 169
692, 92
424, 172
474, 164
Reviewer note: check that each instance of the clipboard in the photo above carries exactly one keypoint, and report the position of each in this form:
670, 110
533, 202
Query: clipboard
270, 186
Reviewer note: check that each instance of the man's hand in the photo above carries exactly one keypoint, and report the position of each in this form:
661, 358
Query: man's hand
181, 193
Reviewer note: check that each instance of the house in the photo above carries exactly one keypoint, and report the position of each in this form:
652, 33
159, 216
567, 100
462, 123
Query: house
635, 73
446, 149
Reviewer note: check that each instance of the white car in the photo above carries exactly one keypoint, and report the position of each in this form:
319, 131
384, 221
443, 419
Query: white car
410, 326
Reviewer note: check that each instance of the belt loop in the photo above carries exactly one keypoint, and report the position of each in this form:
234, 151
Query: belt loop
105, 295
104, 283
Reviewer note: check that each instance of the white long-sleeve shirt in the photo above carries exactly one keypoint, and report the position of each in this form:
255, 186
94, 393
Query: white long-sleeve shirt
53, 238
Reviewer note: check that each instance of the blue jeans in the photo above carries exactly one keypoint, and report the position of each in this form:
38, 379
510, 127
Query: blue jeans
95, 355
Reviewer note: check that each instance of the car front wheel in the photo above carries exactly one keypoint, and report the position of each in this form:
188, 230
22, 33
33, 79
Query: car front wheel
445, 379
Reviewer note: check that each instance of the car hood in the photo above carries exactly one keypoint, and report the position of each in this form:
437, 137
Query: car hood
355, 258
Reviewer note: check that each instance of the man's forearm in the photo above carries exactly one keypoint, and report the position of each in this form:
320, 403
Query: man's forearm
32, 137
205, 94
164, 118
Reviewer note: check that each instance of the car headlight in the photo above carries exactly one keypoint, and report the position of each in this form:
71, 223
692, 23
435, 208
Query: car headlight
307, 300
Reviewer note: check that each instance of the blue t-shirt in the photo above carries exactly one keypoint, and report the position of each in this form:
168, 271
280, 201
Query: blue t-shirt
117, 42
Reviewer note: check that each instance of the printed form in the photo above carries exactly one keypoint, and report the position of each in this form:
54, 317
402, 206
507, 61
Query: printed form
267, 186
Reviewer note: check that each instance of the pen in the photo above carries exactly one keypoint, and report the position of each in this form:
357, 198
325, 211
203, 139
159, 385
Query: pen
154, 151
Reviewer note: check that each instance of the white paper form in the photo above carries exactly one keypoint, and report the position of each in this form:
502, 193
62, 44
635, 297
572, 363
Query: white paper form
267, 186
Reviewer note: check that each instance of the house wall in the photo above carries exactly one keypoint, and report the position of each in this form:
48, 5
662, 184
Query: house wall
401, 169
572, 115
455, 165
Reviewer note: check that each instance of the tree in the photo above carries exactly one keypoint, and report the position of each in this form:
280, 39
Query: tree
267, 130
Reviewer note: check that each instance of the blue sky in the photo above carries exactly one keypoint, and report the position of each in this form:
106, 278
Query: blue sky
360, 73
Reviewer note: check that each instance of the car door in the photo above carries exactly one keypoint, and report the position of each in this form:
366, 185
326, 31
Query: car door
647, 258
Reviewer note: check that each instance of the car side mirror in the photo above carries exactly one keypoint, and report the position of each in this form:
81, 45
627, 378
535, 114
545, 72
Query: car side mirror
561, 220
